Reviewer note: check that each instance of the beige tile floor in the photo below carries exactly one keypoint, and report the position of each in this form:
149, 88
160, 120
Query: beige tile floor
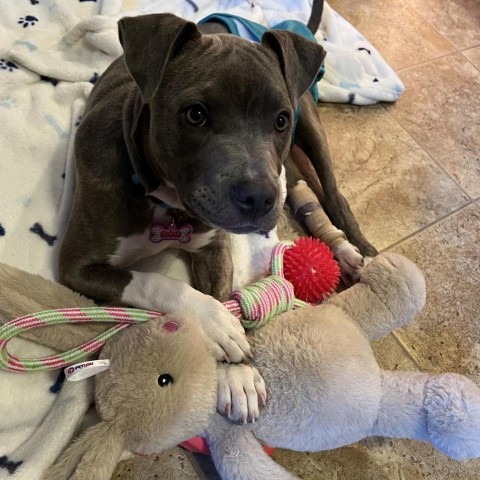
411, 172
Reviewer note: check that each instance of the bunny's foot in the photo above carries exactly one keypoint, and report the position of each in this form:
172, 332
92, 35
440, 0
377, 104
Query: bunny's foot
452, 403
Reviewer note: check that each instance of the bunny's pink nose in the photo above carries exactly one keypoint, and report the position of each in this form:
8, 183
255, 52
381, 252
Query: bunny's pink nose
171, 326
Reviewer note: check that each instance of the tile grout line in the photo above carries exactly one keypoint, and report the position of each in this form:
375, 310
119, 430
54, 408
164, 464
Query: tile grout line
400, 342
455, 49
467, 59
407, 351
459, 50
440, 57
420, 14
394, 334
442, 168
412, 136
426, 62
425, 227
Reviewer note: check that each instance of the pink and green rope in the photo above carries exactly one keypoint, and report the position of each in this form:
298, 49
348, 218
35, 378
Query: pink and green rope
267, 298
254, 305
123, 317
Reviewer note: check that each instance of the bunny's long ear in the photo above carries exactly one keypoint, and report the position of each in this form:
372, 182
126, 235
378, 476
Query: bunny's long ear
22, 293
93, 456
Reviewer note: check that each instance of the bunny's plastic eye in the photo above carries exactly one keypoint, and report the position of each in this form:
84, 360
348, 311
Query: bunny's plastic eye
165, 379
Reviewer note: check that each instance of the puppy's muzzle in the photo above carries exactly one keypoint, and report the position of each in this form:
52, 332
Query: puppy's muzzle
254, 198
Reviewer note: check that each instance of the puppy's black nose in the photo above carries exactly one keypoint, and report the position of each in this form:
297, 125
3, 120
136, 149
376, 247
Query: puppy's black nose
254, 198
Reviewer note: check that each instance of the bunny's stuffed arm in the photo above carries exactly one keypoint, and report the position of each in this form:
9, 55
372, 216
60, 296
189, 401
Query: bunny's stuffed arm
391, 291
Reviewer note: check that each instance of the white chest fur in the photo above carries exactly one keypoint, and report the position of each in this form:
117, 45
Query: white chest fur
135, 247
251, 253
251, 257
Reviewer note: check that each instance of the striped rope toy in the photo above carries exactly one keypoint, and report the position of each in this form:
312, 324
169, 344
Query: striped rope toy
254, 306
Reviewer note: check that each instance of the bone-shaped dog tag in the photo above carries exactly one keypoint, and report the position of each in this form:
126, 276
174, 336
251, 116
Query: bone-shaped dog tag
159, 232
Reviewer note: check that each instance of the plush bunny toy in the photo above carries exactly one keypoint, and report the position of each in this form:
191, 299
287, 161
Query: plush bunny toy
325, 388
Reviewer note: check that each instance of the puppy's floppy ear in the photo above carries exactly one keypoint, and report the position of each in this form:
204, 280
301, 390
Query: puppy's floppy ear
300, 60
149, 42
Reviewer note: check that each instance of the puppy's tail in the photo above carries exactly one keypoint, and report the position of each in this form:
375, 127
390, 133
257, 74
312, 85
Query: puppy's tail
315, 16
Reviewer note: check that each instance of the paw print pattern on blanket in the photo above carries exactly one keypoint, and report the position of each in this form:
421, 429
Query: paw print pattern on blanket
2, 230
9, 465
94, 78
53, 81
34, 2
28, 21
7, 65
193, 5
57, 386
351, 96
364, 49
360, 49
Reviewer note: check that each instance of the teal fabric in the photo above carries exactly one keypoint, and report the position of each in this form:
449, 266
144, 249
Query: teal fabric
232, 22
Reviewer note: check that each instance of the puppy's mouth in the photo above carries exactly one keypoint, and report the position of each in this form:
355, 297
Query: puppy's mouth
245, 229
228, 223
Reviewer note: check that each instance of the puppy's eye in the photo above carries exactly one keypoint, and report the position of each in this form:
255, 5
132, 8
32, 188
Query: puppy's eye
165, 379
196, 115
282, 122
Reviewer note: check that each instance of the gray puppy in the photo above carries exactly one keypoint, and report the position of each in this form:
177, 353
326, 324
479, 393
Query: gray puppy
183, 140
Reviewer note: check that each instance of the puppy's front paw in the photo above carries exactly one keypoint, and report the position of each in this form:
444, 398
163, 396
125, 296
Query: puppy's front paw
240, 389
223, 330
350, 262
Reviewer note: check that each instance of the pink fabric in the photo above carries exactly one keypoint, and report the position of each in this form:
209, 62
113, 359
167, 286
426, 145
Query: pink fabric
196, 445
199, 445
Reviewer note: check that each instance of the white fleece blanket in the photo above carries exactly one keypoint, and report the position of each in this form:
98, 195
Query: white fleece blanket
51, 53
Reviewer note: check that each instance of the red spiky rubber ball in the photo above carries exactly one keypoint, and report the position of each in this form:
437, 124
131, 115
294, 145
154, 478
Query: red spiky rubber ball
310, 267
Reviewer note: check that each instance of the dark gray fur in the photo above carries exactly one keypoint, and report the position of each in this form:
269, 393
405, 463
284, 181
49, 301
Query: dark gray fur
135, 123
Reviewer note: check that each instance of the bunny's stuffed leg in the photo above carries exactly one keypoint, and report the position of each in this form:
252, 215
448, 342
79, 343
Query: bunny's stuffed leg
93, 456
238, 455
441, 409
390, 293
